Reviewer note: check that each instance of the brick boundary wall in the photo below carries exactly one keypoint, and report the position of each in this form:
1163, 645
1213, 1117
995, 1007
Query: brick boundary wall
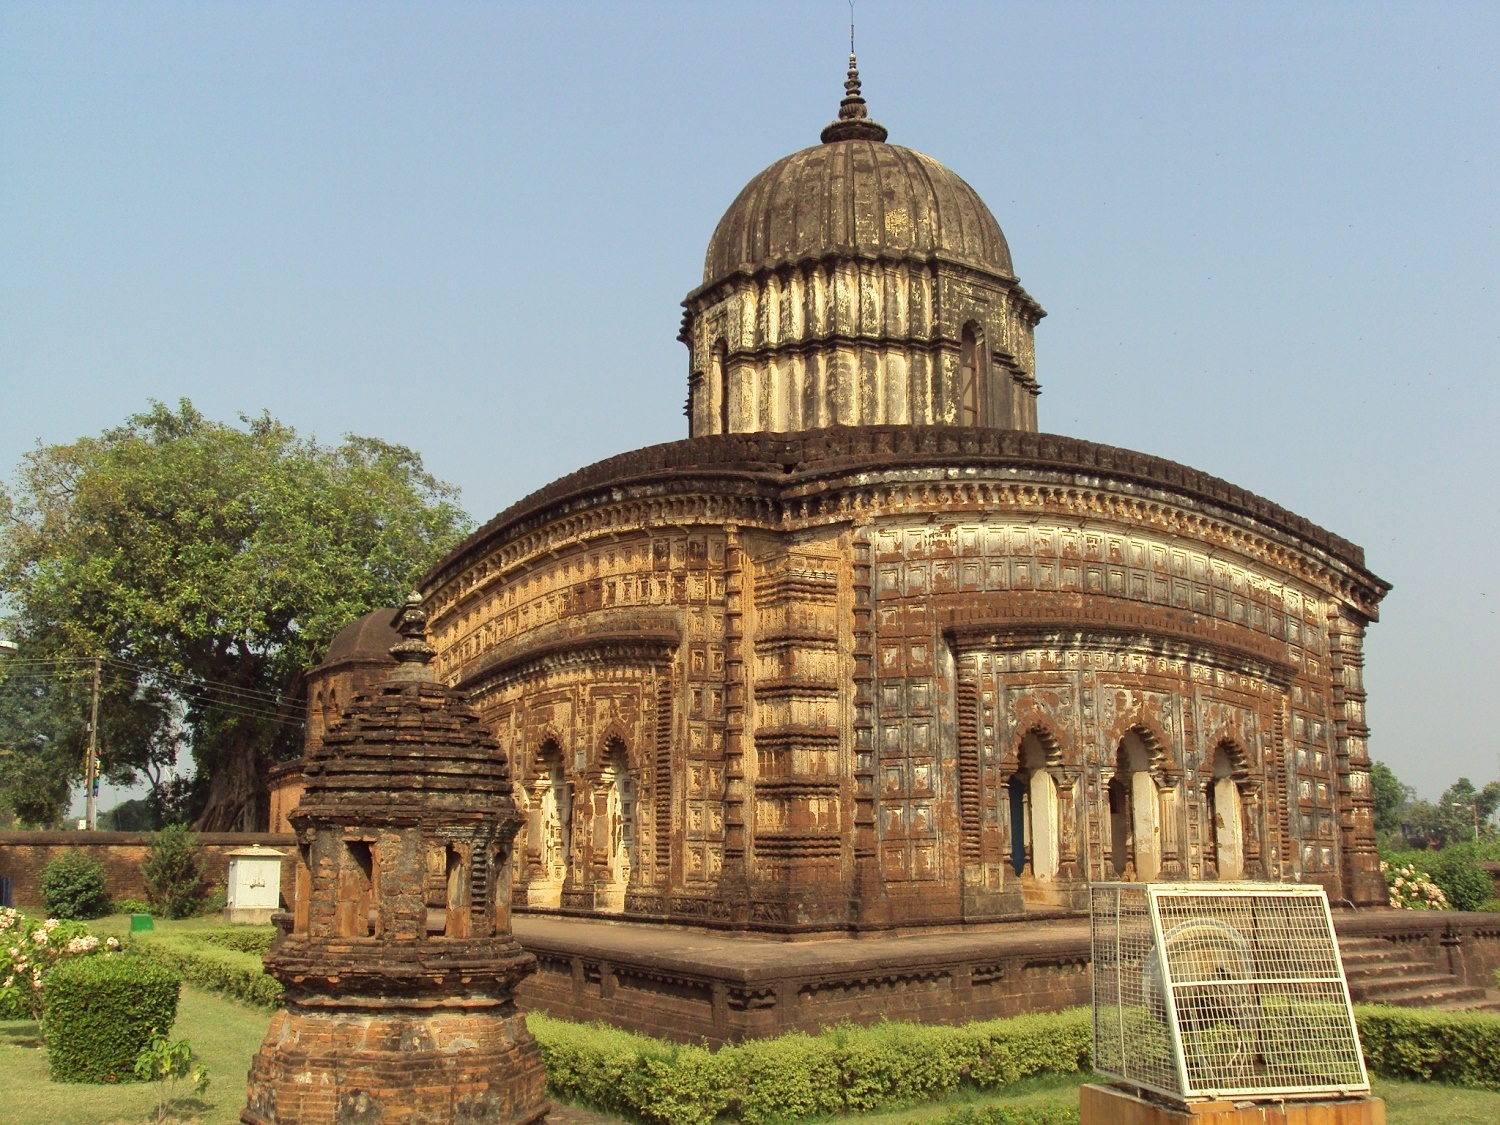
24, 854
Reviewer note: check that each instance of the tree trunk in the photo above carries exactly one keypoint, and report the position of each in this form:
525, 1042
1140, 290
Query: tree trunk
237, 789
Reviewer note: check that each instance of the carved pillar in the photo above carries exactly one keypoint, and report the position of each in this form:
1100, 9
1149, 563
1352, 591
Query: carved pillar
800, 840
1067, 789
733, 874
1363, 884
1251, 834
867, 881
970, 782
1169, 791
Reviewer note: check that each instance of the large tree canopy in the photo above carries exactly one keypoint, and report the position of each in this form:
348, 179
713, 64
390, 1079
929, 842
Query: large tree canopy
214, 562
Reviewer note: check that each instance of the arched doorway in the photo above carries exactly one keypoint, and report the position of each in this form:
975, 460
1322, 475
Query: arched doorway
1134, 813
618, 824
971, 378
1226, 813
550, 833
1034, 820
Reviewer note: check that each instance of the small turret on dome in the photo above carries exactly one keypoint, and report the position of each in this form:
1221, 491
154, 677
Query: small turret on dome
854, 122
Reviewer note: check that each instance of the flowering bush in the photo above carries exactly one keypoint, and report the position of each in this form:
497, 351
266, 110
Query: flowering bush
30, 949
1412, 888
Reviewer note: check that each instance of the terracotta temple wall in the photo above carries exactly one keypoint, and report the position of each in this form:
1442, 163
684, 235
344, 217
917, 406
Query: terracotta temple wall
820, 679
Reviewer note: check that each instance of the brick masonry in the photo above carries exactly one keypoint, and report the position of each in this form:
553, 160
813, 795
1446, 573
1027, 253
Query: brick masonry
727, 987
24, 854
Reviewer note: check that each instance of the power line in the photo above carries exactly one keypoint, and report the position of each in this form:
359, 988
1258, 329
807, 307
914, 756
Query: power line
203, 695
252, 694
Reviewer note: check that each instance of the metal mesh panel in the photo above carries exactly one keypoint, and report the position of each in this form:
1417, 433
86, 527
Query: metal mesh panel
1221, 989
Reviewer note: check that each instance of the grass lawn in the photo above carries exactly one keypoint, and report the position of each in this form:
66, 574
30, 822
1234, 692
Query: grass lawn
223, 1032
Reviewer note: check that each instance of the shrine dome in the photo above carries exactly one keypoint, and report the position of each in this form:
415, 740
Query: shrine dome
852, 198
858, 283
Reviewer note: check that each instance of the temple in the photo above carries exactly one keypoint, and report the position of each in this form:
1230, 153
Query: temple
867, 651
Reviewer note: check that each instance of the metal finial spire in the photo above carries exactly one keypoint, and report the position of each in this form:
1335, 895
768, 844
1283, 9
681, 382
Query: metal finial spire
854, 123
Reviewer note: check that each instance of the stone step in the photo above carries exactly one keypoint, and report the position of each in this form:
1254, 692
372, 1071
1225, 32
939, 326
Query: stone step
1404, 983
1394, 969
1454, 998
1380, 972
1369, 960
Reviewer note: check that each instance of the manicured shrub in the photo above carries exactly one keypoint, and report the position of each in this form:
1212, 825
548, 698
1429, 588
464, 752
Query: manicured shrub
1457, 1048
173, 872
73, 887
30, 949
621, 1072
228, 972
844, 1070
244, 939
1465, 884
101, 1012
1010, 1115
132, 906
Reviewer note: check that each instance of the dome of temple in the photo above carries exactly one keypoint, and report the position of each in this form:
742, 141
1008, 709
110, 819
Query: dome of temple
855, 197
368, 639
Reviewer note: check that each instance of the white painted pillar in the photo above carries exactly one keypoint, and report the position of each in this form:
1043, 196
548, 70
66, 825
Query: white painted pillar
1043, 825
1147, 824
1228, 830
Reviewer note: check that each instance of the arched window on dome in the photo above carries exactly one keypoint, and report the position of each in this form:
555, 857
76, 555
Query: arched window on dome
971, 400
719, 380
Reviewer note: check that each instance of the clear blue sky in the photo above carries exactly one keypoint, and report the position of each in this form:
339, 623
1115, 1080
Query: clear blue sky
1265, 233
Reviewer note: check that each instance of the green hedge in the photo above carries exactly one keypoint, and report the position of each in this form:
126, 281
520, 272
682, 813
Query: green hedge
101, 1012
1010, 1115
1456, 1048
229, 972
73, 887
244, 939
843, 1070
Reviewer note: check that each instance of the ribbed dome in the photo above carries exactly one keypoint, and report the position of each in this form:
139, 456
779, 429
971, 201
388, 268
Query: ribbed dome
856, 197
368, 639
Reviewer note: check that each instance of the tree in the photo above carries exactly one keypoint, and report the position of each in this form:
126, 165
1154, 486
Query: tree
213, 563
44, 712
1390, 796
1465, 807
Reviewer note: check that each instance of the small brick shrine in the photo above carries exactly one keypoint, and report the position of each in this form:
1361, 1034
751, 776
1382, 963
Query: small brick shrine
398, 962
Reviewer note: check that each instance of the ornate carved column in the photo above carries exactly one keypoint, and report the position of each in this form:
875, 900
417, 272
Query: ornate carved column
1363, 883
1252, 832
1068, 868
1169, 792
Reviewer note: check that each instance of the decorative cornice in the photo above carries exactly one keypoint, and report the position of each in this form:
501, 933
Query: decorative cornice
707, 295
769, 471
543, 653
1233, 649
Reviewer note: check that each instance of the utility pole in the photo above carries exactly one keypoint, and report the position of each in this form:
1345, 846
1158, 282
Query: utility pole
90, 803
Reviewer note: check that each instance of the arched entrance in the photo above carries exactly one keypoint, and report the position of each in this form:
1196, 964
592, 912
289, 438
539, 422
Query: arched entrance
1134, 813
550, 831
1034, 819
1226, 813
618, 824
